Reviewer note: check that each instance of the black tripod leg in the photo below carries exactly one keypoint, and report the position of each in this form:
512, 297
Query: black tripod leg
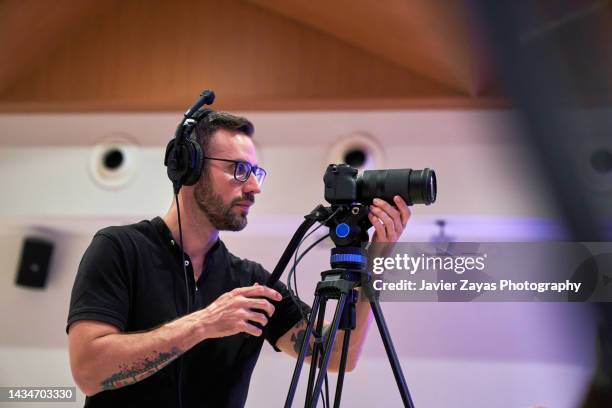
303, 350
314, 360
340, 381
329, 345
395, 365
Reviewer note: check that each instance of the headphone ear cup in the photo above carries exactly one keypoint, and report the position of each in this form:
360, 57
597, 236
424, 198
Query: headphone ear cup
172, 165
184, 166
195, 163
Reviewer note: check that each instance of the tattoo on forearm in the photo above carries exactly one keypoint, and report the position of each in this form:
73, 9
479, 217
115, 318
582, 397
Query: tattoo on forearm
326, 329
298, 338
130, 374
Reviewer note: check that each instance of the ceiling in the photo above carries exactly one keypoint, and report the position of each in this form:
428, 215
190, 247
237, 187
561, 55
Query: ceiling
155, 55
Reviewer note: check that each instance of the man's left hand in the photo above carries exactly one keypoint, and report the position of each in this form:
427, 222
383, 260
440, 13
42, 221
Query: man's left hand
388, 221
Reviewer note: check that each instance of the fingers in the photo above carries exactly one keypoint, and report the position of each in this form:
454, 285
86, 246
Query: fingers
403, 209
258, 291
260, 304
392, 213
246, 327
388, 221
257, 317
256, 303
240, 310
378, 226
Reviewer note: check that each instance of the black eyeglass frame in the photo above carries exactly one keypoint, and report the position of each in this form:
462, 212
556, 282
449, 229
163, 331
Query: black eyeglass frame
252, 169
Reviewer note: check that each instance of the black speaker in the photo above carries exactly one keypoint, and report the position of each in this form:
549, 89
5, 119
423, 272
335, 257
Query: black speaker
34, 263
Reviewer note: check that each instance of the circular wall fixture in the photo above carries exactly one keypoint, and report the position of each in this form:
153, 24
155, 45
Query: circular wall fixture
359, 150
601, 161
114, 161
596, 167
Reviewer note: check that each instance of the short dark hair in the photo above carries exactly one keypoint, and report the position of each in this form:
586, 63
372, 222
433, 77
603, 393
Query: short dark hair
214, 121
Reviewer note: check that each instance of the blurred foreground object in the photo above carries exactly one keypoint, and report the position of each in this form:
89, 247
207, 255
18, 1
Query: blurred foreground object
555, 59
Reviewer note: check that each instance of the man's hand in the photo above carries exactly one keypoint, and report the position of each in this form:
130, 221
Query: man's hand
389, 222
231, 312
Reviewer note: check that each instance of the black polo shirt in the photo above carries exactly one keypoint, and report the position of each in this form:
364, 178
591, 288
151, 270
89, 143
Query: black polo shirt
131, 277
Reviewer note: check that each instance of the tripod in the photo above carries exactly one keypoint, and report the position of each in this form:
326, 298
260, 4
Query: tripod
349, 264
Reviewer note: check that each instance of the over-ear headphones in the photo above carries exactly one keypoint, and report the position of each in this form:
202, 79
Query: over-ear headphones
184, 154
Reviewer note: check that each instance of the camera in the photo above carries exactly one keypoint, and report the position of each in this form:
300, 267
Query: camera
344, 186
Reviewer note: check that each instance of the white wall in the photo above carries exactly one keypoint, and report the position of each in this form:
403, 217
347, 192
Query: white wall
473, 354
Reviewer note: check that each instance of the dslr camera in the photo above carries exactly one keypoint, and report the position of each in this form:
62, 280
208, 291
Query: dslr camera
343, 186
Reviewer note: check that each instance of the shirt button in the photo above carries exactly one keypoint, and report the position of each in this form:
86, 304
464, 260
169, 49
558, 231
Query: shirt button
186, 263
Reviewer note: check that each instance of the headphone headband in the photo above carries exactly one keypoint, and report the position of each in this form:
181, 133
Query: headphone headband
184, 154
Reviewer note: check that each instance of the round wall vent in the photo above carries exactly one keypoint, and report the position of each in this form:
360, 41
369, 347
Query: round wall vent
114, 161
596, 167
359, 150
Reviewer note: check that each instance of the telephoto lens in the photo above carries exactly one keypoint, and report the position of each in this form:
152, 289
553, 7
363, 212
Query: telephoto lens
414, 186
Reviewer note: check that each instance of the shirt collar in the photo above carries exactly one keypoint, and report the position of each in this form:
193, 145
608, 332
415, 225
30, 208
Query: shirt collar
166, 237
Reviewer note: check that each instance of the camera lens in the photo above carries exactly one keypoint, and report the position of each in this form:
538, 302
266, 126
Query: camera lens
414, 186
423, 188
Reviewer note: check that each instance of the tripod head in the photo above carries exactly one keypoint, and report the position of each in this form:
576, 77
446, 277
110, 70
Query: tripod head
348, 225
348, 228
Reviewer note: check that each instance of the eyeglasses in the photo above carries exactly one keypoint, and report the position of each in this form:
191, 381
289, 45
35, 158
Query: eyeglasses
243, 170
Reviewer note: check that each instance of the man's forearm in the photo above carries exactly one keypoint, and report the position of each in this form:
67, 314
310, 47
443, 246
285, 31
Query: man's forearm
116, 360
104, 360
363, 317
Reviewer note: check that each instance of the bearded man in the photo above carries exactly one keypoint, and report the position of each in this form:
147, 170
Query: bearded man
132, 341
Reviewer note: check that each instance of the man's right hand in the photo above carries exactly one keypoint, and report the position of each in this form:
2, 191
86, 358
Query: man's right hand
231, 312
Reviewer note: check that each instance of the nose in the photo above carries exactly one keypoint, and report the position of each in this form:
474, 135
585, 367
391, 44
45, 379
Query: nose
251, 185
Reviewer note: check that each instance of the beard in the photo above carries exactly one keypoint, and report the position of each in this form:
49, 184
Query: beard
219, 214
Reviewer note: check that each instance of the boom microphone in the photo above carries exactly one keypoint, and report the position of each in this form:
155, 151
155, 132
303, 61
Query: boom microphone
206, 98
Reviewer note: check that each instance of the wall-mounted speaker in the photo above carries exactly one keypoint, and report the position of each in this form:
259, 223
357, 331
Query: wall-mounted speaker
34, 262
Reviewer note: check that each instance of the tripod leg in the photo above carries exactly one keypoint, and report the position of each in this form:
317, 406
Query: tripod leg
314, 359
393, 360
340, 382
302, 355
329, 345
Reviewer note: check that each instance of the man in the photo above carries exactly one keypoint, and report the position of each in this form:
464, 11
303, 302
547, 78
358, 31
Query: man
131, 338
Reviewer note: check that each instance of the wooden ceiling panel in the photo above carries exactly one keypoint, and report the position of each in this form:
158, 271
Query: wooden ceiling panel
30, 30
430, 38
158, 55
